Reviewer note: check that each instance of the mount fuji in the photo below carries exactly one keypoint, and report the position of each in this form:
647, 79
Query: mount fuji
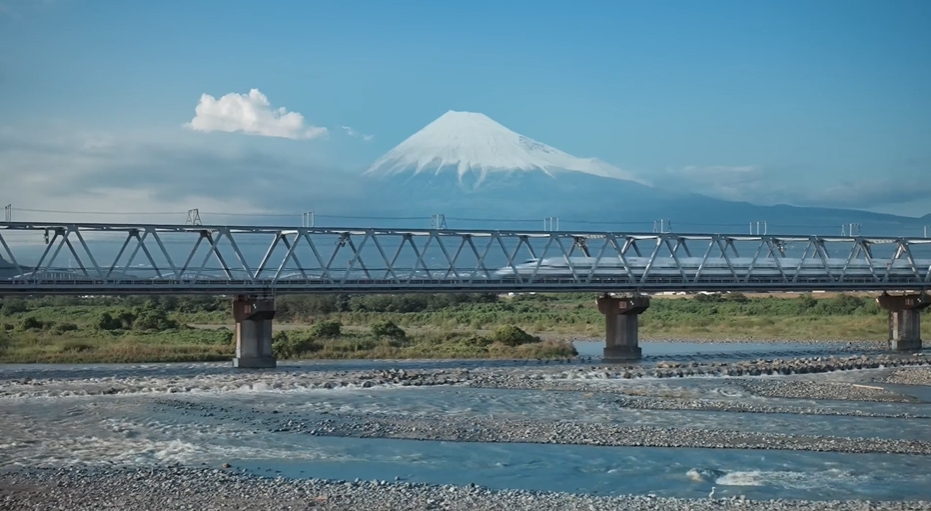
475, 147
466, 165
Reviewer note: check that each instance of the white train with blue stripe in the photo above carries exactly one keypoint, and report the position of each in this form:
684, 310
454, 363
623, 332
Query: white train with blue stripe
571, 267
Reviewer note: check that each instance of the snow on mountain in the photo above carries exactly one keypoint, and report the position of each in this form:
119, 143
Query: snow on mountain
473, 143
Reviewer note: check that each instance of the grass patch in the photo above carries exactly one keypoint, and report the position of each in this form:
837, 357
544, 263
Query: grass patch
164, 329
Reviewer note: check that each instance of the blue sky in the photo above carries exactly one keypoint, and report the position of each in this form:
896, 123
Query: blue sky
807, 102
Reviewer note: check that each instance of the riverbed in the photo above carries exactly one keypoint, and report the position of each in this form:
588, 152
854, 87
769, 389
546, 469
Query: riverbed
576, 427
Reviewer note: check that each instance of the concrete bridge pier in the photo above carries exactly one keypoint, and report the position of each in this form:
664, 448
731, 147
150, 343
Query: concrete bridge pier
254, 332
622, 338
904, 319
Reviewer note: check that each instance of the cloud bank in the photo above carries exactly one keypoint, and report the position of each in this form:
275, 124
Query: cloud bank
768, 186
251, 114
77, 170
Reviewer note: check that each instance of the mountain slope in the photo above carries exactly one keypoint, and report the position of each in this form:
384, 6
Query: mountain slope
467, 166
474, 147
8, 269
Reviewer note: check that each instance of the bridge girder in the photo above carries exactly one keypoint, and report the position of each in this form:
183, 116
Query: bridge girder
198, 259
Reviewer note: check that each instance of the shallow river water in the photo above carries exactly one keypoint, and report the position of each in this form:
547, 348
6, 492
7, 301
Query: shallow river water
234, 415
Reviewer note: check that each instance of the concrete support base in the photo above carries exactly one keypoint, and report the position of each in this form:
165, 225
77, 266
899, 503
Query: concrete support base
254, 333
622, 353
904, 319
255, 363
622, 336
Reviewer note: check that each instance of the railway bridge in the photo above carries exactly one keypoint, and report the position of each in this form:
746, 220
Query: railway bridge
253, 264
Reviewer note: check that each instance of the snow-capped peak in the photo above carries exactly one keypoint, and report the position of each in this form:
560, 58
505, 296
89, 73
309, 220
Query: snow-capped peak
473, 142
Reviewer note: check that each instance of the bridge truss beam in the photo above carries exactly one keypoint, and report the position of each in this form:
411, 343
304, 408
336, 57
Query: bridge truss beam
87, 259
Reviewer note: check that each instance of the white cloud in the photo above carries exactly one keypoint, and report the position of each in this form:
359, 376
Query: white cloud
353, 133
251, 114
154, 171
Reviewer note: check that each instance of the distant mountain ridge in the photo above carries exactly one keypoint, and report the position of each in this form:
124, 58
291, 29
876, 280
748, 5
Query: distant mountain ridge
8, 269
466, 165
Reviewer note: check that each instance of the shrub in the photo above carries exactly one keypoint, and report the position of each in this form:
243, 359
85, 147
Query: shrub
106, 321
293, 345
75, 347
388, 329
280, 346
148, 318
63, 327
153, 319
477, 340
326, 329
122, 319
841, 304
31, 323
294, 307
806, 302
13, 306
510, 335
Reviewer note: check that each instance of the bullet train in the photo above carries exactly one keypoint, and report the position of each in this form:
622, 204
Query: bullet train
713, 267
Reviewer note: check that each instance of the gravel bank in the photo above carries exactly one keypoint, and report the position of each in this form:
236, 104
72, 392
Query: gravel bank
172, 489
549, 377
538, 378
656, 403
822, 390
230, 380
479, 429
910, 376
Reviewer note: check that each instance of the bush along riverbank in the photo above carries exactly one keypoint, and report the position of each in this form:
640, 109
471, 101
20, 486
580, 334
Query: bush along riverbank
112, 332
165, 329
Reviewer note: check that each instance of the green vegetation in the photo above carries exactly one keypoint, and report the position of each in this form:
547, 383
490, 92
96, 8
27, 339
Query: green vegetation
134, 329
733, 315
388, 341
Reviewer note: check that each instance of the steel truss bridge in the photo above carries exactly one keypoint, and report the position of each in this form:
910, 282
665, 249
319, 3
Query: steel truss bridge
98, 259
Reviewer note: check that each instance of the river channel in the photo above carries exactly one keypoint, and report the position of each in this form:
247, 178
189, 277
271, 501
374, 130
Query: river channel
208, 415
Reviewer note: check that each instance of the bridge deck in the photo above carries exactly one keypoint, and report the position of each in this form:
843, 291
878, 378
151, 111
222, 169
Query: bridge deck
88, 259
